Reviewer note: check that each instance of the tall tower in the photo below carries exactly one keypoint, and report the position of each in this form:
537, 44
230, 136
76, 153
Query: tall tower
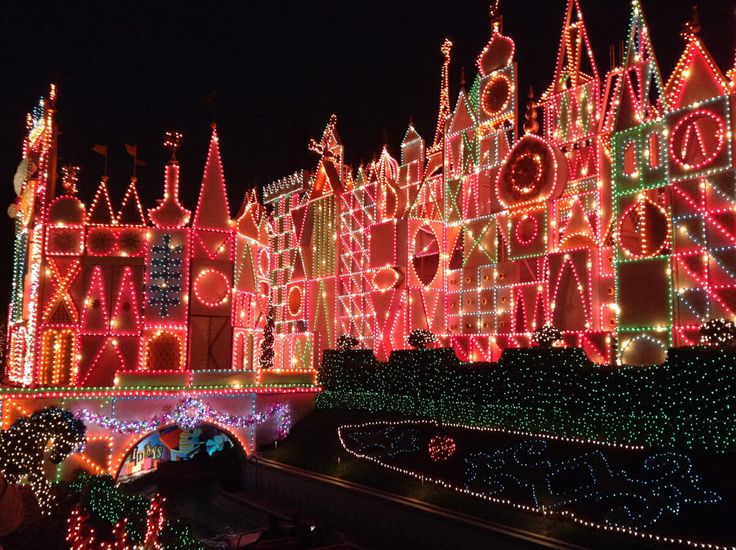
35, 182
212, 249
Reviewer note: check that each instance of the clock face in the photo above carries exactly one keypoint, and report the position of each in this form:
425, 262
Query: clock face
496, 96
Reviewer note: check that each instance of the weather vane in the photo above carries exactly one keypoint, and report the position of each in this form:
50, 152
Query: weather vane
172, 142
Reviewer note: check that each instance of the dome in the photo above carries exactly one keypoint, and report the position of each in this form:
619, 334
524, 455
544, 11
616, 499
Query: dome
497, 54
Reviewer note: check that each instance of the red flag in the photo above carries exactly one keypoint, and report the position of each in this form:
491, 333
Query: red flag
132, 150
100, 149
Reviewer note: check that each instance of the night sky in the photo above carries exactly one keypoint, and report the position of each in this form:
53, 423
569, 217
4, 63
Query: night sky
128, 71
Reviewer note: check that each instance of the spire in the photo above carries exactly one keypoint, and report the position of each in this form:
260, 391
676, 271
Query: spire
444, 110
170, 212
250, 216
531, 124
212, 208
572, 69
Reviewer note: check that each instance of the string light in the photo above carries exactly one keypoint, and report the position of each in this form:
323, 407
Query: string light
525, 466
188, 414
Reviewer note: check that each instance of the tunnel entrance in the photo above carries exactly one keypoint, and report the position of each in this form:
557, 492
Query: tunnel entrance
173, 444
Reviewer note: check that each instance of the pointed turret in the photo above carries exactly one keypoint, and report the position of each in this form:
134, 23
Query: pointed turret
250, 216
575, 62
328, 177
696, 76
634, 93
531, 124
170, 212
412, 146
386, 171
131, 211
213, 211
101, 212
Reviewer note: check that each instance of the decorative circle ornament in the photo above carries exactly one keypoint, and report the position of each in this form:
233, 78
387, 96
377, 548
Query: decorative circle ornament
534, 171
211, 287
496, 96
697, 139
101, 241
131, 241
441, 448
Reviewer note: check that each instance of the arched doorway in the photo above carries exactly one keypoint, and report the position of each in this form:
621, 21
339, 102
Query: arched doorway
164, 352
172, 443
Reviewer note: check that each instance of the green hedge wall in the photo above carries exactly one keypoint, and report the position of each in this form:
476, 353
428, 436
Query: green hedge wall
689, 402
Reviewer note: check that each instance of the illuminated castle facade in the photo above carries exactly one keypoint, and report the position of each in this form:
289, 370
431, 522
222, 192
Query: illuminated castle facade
98, 292
611, 218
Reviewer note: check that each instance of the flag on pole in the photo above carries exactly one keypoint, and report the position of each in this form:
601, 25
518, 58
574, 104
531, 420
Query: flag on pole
101, 150
132, 150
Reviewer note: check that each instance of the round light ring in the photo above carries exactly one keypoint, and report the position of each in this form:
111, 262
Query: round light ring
496, 96
644, 229
296, 295
211, 287
264, 262
101, 241
534, 171
526, 230
697, 139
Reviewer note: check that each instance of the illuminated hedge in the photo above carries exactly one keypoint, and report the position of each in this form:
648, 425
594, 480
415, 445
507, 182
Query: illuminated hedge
689, 402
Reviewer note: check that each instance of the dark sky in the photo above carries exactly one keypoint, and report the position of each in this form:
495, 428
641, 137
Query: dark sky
127, 71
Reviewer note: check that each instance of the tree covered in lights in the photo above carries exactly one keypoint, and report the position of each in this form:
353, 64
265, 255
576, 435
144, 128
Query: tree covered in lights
166, 264
546, 335
421, 338
52, 433
346, 342
718, 333
266, 360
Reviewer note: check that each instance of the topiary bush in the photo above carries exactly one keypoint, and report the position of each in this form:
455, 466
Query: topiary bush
420, 338
546, 335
